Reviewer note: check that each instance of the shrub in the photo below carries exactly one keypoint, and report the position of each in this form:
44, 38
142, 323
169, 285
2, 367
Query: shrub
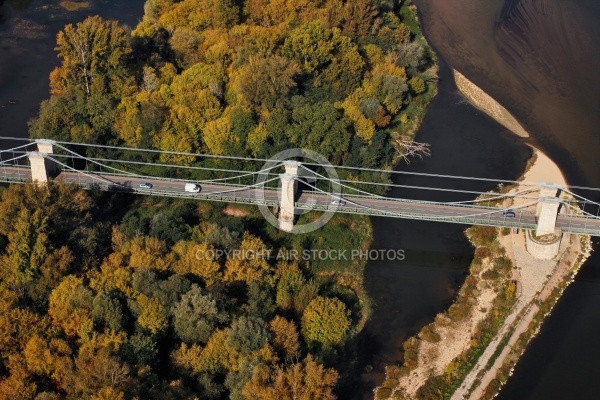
429, 334
491, 274
411, 354
383, 393
459, 310
503, 264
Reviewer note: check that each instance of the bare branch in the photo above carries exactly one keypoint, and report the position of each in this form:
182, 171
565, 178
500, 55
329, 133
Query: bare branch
408, 148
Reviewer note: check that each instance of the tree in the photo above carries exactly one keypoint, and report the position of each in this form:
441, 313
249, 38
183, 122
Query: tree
285, 336
97, 371
19, 384
201, 15
364, 127
248, 335
218, 355
409, 148
307, 380
66, 311
145, 252
263, 82
94, 56
359, 16
311, 46
27, 248
320, 127
152, 315
332, 59
235, 381
51, 359
325, 321
139, 349
140, 118
411, 55
108, 312
196, 316
56, 265
250, 265
388, 84
291, 281
260, 301
344, 74
218, 135
267, 13
197, 259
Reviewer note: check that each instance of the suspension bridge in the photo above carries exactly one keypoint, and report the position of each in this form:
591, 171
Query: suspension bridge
293, 187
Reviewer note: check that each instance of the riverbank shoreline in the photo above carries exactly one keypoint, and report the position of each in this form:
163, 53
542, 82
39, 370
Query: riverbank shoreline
537, 283
450, 352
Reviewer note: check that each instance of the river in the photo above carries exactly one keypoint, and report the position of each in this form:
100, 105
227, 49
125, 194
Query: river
28, 31
409, 293
540, 59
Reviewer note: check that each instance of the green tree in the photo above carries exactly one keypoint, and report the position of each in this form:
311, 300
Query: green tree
326, 321
320, 127
417, 85
248, 335
311, 46
197, 15
139, 349
27, 248
196, 316
108, 312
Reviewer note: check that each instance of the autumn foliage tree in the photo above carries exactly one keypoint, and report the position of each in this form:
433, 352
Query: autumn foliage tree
325, 321
106, 297
305, 380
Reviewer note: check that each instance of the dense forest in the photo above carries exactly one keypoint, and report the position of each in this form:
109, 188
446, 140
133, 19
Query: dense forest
350, 80
102, 302
113, 296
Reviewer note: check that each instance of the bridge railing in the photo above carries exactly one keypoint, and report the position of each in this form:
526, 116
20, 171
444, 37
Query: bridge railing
149, 179
227, 197
14, 179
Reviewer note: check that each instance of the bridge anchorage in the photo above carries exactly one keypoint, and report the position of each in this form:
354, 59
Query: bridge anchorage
544, 210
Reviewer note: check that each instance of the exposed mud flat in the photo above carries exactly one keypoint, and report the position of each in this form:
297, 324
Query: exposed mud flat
538, 58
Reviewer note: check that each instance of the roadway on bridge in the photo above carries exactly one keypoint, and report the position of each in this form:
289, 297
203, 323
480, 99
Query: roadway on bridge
357, 205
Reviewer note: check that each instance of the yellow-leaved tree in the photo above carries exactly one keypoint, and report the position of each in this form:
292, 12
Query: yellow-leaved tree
249, 263
325, 320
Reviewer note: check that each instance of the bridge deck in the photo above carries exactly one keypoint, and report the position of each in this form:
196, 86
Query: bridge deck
388, 207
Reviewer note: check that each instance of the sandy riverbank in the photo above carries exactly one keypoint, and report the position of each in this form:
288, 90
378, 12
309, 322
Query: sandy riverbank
535, 279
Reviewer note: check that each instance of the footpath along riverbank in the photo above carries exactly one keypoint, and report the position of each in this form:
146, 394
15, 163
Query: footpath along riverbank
469, 351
